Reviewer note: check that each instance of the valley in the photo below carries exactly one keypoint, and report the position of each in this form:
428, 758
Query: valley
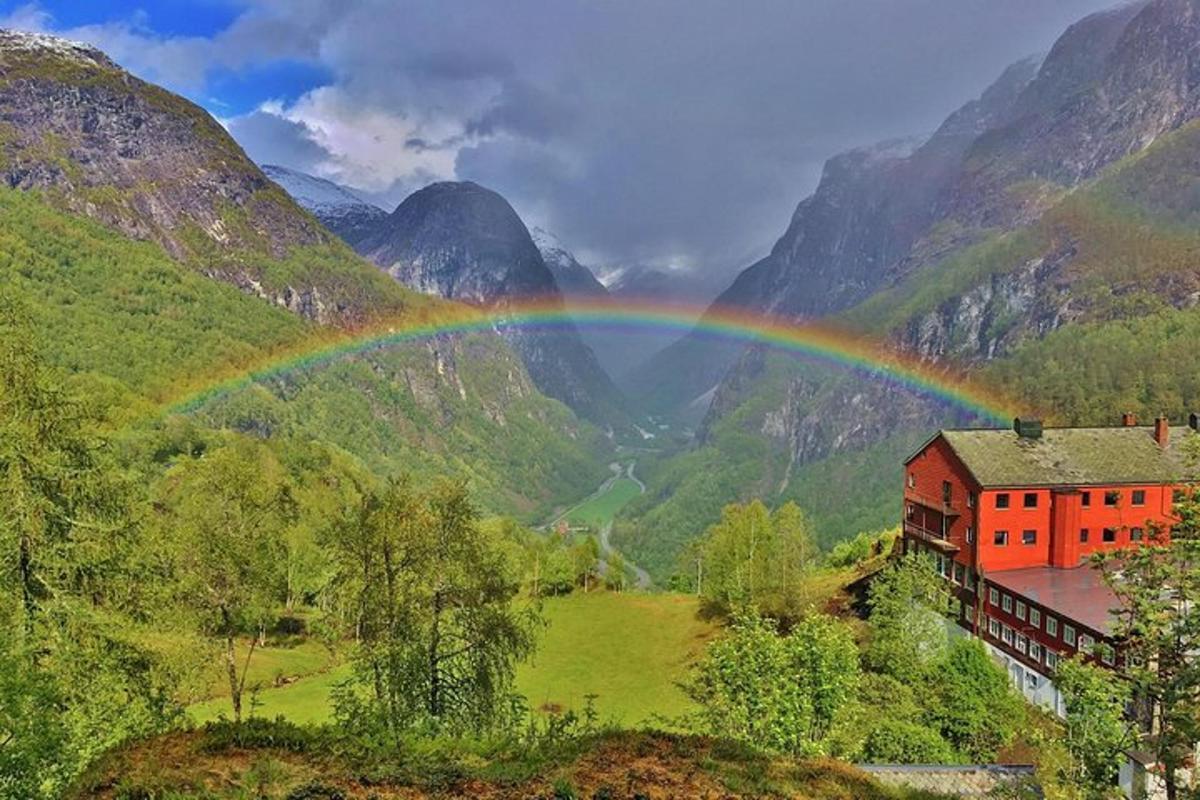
373, 427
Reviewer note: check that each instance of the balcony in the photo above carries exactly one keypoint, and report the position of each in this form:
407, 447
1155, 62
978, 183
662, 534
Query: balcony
950, 509
934, 538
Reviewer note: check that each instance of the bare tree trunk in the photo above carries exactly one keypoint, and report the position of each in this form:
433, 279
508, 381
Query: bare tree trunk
235, 689
435, 683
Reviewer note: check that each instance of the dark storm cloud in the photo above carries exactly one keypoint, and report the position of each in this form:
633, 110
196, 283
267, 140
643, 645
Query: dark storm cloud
638, 130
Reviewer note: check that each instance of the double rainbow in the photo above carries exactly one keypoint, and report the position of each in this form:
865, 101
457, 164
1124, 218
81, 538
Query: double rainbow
821, 343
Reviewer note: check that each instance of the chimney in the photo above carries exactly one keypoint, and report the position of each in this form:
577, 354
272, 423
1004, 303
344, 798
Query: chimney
1162, 431
1028, 428
1128, 420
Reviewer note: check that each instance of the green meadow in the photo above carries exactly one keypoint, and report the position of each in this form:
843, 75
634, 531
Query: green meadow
629, 650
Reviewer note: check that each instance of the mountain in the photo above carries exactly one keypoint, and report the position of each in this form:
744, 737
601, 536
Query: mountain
1043, 237
156, 260
575, 281
338, 208
460, 241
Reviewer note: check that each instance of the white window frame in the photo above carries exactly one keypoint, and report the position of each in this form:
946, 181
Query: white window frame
1051, 626
1006, 603
1021, 608
1035, 617
1006, 635
993, 626
1035, 651
1068, 634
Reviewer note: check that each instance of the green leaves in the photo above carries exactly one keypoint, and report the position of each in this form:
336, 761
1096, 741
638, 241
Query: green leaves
780, 693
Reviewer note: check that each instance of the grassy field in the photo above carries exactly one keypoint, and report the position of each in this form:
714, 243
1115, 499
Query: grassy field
630, 650
599, 510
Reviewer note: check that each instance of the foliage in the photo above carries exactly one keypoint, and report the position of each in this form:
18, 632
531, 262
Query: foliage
223, 540
907, 601
433, 596
757, 559
973, 702
70, 643
781, 693
1155, 586
1098, 733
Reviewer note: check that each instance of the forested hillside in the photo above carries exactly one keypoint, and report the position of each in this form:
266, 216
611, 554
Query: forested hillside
1043, 238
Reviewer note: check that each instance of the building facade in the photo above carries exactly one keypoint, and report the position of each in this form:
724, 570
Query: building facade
1012, 516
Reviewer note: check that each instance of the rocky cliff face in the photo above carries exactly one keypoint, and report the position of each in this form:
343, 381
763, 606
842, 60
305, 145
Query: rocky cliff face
464, 242
338, 208
97, 141
1066, 194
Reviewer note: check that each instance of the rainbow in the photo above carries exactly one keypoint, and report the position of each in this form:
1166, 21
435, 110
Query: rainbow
821, 343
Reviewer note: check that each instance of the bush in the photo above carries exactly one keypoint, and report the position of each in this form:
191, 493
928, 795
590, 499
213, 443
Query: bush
901, 741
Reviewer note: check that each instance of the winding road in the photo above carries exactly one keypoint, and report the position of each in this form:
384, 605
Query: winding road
641, 577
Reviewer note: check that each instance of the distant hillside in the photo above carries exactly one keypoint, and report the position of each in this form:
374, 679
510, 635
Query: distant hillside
464, 242
1043, 236
338, 208
155, 257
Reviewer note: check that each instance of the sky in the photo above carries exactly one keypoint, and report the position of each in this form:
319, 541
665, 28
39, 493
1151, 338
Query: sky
673, 133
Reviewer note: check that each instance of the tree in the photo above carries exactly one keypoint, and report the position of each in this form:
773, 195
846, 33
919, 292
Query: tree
907, 602
586, 559
781, 693
439, 632
76, 678
615, 572
973, 701
1156, 586
224, 540
1098, 733
752, 557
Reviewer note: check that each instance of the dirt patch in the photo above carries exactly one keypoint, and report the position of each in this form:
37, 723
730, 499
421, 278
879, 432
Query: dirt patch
620, 766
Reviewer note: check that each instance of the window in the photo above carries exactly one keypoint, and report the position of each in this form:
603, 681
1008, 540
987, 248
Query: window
994, 627
1110, 535
1069, 635
1028, 537
1030, 500
1006, 604
1035, 618
947, 492
1083, 535
1035, 651
970, 581
993, 597
1051, 659
1031, 681
1086, 500
1111, 498
1022, 644
1002, 500
1139, 497
970, 499
1006, 634
970, 535
1086, 642
1000, 538
912, 480
960, 573
1020, 610
1051, 626
1107, 655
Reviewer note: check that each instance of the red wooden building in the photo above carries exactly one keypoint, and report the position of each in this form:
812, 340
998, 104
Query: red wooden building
1011, 516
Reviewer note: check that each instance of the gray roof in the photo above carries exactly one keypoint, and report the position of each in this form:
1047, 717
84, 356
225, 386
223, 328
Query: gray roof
1078, 593
1073, 456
